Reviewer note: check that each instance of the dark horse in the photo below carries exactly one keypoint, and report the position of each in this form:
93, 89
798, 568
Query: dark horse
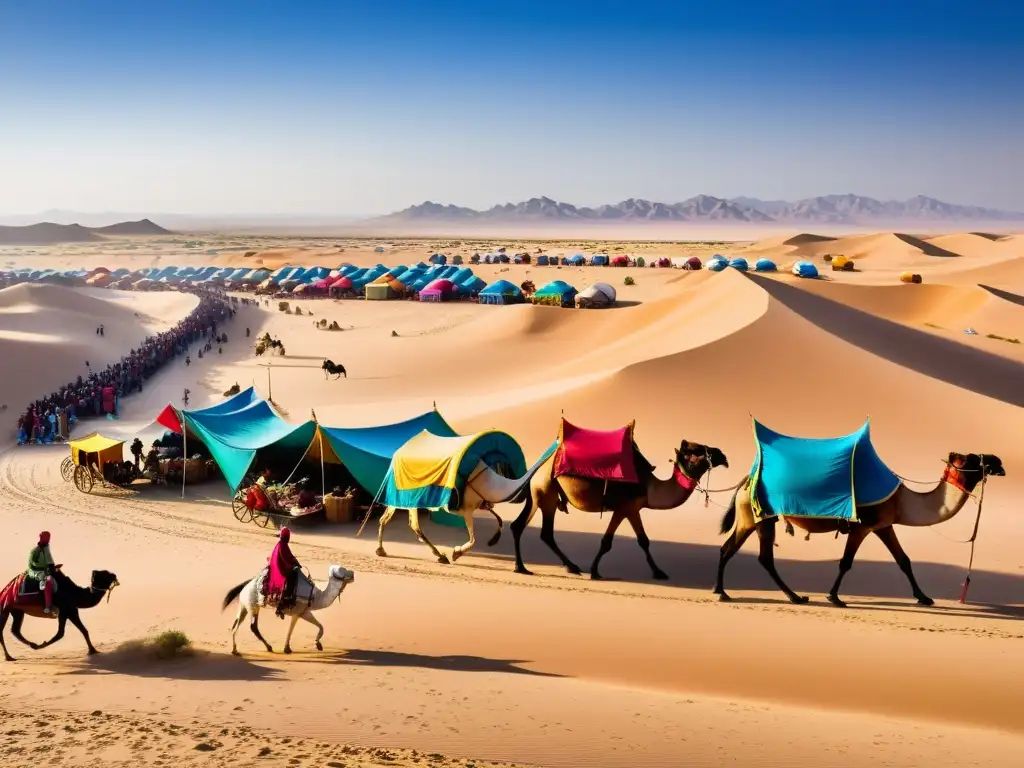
337, 369
68, 600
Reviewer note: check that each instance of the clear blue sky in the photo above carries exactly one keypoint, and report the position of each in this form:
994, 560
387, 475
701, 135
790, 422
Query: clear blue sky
364, 107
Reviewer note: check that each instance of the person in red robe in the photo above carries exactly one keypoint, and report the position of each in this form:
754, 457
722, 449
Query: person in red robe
283, 573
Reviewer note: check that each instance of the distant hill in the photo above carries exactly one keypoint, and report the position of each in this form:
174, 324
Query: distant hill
48, 233
141, 227
829, 209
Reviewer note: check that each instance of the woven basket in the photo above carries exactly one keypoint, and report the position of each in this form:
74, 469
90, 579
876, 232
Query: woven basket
339, 509
195, 471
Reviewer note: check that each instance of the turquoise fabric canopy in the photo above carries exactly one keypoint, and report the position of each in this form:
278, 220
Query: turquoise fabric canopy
367, 451
823, 478
233, 437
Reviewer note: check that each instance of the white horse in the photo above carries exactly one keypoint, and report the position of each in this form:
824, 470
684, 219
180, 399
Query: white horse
483, 489
308, 598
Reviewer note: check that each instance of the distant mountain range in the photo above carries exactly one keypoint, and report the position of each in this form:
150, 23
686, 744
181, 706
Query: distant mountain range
48, 233
829, 209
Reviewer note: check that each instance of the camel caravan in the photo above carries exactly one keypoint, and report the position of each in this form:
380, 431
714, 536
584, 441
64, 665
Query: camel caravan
422, 466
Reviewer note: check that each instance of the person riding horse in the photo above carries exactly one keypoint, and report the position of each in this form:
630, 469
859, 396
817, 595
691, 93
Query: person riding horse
41, 569
283, 574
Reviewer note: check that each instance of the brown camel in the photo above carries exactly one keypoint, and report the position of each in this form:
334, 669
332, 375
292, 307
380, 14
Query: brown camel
625, 501
905, 507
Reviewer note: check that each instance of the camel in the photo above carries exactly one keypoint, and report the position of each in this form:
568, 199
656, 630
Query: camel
905, 507
336, 369
484, 488
68, 600
308, 598
625, 500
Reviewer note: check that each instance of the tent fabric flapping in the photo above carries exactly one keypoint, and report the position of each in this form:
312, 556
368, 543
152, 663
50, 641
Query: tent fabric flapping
429, 471
169, 416
817, 477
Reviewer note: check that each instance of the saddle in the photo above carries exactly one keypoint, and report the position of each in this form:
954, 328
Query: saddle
609, 455
24, 593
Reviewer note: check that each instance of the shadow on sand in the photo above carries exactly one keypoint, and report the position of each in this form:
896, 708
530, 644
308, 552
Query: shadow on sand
974, 369
693, 566
200, 666
454, 663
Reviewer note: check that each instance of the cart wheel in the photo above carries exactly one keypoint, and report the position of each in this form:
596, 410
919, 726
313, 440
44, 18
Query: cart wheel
262, 519
67, 469
242, 512
83, 479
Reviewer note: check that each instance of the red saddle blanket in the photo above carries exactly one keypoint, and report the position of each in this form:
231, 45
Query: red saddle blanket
598, 454
20, 593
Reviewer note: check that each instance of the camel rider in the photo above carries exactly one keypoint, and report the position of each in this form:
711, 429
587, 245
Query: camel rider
283, 574
41, 569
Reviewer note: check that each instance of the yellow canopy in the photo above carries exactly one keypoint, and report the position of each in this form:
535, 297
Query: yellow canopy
430, 460
107, 448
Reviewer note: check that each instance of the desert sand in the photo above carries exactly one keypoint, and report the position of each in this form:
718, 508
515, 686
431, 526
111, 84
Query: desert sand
428, 664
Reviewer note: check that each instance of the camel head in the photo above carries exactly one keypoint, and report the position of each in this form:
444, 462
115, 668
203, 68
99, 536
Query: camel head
104, 581
694, 459
972, 468
344, 575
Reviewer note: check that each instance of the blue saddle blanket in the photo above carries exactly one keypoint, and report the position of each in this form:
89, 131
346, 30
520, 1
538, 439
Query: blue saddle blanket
817, 477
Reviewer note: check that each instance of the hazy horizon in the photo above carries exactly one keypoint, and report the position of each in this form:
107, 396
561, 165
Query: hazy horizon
258, 109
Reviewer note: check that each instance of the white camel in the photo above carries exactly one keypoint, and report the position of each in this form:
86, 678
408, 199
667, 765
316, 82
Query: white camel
483, 489
308, 598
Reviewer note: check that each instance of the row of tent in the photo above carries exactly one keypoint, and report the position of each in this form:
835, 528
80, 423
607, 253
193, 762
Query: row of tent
235, 430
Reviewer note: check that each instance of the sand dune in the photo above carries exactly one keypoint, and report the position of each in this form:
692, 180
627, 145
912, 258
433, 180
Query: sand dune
450, 665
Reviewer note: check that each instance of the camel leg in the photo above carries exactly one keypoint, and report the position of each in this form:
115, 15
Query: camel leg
606, 542
292, 621
645, 543
3, 645
459, 551
888, 537
254, 625
744, 527
17, 620
517, 527
242, 611
547, 535
854, 539
414, 523
62, 621
766, 533
308, 616
75, 619
384, 520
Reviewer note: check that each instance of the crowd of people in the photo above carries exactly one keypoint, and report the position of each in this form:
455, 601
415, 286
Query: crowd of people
50, 419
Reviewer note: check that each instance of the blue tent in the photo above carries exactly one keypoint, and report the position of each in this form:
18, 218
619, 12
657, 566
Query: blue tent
234, 437
765, 265
542, 260
738, 263
717, 264
822, 478
366, 451
805, 269
599, 260
472, 286
501, 292
461, 275
578, 260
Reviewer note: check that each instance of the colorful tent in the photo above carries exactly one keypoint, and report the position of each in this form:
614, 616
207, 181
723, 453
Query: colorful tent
596, 296
430, 471
599, 260
438, 290
556, 293
738, 263
818, 477
367, 451
501, 292
717, 264
379, 292
764, 265
620, 261
805, 269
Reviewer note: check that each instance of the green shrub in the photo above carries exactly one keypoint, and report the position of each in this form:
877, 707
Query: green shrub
629, 281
